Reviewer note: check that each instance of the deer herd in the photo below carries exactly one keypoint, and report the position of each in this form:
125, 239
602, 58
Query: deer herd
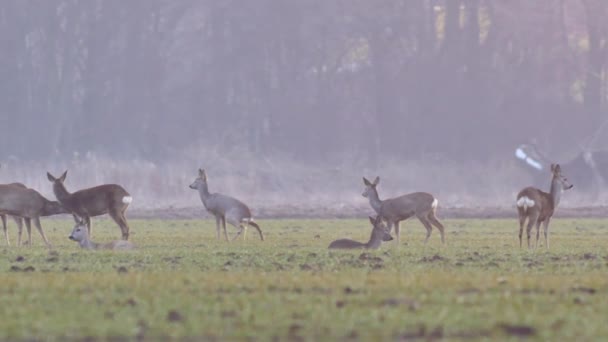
27, 205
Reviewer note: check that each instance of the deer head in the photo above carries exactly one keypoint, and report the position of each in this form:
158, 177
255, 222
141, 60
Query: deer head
380, 228
556, 170
200, 181
370, 187
79, 232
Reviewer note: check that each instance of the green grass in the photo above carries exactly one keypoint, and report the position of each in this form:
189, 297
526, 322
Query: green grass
182, 283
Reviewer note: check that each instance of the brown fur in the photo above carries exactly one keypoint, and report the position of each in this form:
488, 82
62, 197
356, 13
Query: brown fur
543, 207
18, 201
99, 200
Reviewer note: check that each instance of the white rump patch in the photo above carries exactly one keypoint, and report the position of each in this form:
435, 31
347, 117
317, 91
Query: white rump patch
525, 202
435, 203
127, 199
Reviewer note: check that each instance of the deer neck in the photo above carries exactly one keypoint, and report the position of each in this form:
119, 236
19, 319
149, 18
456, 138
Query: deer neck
60, 192
556, 192
52, 208
87, 244
374, 242
203, 191
374, 200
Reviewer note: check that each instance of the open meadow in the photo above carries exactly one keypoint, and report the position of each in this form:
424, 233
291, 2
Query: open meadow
181, 283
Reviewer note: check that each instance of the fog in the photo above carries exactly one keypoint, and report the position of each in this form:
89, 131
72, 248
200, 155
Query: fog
290, 103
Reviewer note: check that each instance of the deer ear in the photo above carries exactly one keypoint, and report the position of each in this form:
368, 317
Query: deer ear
50, 177
202, 174
372, 220
62, 178
376, 181
366, 182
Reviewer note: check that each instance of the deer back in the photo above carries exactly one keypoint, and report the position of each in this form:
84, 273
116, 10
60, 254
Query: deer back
118, 245
541, 201
346, 244
403, 207
21, 201
221, 204
96, 200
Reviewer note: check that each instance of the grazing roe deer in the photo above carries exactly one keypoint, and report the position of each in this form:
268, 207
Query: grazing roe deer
224, 208
538, 206
380, 233
110, 199
394, 210
20, 202
80, 234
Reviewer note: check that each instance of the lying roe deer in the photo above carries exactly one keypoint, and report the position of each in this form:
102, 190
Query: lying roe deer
394, 210
538, 206
80, 234
224, 208
380, 233
18, 220
18, 201
110, 199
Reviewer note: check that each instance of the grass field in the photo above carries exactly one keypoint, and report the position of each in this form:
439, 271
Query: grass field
183, 284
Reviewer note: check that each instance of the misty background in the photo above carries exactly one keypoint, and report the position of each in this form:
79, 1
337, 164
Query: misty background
290, 103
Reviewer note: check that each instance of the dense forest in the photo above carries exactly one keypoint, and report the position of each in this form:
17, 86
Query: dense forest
315, 81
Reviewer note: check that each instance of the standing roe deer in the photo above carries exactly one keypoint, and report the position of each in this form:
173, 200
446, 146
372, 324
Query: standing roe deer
538, 206
380, 233
224, 208
80, 234
110, 199
394, 210
20, 202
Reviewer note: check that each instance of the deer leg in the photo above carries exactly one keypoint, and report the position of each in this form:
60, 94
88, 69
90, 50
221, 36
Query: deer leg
224, 225
546, 232
433, 218
537, 233
121, 221
19, 222
39, 227
28, 227
87, 221
522, 221
3, 217
125, 225
218, 219
397, 225
427, 225
531, 223
238, 225
255, 225
242, 230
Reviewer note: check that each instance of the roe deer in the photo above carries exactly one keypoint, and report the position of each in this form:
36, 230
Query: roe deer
538, 206
110, 199
80, 234
380, 233
224, 208
394, 210
20, 202
18, 220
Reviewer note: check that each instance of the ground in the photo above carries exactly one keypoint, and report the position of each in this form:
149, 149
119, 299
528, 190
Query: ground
182, 283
